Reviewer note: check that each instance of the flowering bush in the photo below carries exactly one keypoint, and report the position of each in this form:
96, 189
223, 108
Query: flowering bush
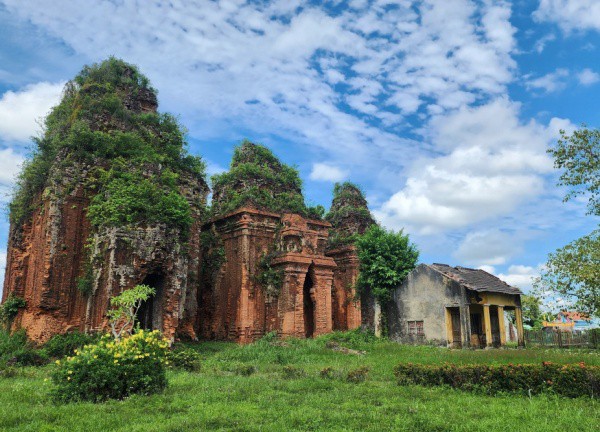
573, 380
113, 369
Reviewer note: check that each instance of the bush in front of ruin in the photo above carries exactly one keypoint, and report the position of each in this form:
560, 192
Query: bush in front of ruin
113, 369
571, 380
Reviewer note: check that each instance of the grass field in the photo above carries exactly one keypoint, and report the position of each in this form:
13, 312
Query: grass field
277, 386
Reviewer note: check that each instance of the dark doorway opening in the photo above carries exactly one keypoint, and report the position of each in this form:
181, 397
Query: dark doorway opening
309, 306
149, 314
495, 326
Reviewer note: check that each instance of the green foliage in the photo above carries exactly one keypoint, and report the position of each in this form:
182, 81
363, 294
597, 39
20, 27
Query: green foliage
574, 271
293, 372
258, 179
386, 258
349, 214
359, 375
124, 308
184, 358
136, 157
579, 156
574, 380
218, 398
315, 212
531, 307
213, 257
65, 344
17, 350
268, 277
10, 308
112, 369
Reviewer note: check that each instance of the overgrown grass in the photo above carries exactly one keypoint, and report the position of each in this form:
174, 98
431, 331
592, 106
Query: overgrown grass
285, 390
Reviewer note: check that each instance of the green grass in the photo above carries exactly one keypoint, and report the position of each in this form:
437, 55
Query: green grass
223, 397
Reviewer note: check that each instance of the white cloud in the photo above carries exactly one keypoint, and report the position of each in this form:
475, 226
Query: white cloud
490, 163
402, 57
550, 82
21, 111
10, 165
487, 248
521, 276
570, 15
541, 43
327, 172
588, 77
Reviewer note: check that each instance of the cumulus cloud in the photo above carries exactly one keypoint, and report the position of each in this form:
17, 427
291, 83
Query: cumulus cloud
21, 111
521, 276
327, 172
490, 162
487, 248
570, 15
588, 77
282, 62
550, 82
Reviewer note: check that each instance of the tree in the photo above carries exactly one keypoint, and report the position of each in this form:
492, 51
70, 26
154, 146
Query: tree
574, 270
532, 312
124, 308
386, 258
579, 156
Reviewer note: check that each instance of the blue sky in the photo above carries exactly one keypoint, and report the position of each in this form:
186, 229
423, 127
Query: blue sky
441, 110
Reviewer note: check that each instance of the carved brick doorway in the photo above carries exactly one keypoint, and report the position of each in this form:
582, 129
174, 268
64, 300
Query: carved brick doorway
149, 314
309, 305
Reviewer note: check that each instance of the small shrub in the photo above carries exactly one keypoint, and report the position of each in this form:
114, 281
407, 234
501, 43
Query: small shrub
185, 358
66, 344
28, 356
11, 343
8, 371
572, 380
358, 375
292, 372
10, 308
242, 369
330, 373
113, 369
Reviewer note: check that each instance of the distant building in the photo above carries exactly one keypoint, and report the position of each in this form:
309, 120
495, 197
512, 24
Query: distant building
571, 320
454, 306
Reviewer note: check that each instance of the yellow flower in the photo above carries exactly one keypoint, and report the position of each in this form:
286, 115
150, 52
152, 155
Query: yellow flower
68, 378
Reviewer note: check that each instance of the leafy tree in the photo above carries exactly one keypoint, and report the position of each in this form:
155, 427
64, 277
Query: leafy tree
124, 308
579, 156
386, 258
574, 270
531, 306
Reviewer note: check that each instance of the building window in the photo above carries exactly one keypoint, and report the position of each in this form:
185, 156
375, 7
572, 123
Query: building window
415, 328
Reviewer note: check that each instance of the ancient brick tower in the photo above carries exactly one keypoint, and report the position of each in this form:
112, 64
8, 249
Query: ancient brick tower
349, 216
111, 199
67, 265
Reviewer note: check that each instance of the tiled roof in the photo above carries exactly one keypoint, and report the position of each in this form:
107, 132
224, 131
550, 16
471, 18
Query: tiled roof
476, 279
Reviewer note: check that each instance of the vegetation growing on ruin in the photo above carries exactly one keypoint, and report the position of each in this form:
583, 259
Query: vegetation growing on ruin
269, 277
106, 123
213, 256
10, 308
349, 214
256, 178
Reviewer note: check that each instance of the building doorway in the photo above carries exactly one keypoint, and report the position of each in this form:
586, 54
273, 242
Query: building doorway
309, 305
453, 320
495, 326
149, 315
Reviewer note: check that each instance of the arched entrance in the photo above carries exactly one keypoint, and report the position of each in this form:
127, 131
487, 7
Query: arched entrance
309, 305
149, 315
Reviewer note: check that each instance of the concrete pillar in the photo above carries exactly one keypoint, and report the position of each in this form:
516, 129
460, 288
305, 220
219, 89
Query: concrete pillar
487, 323
501, 325
520, 331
